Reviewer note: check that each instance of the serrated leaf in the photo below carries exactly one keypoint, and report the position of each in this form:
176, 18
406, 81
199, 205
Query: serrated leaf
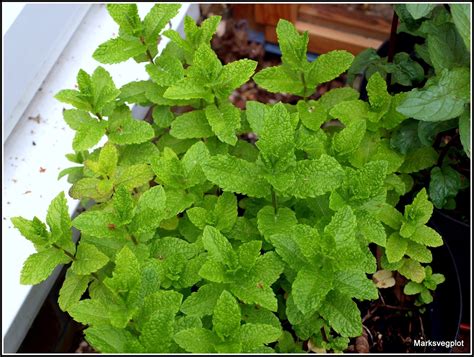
427, 236
371, 228
124, 129
126, 274
412, 270
88, 130
236, 175
103, 90
445, 183
191, 125
270, 223
355, 284
377, 92
279, 79
166, 70
226, 317
342, 314
419, 252
34, 230
109, 339
419, 159
75, 98
233, 75
59, 222
419, 212
224, 121
157, 333
133, 176
328, 66
255, 335
412, 288
462, 19
89, 312
72, 289
126, 16
309, 289
219, 247
293, 45
39, 266
196, 340
156, 19
150, 210
135, 92
202, 302
118, 50
98, 224
442, 100
248, 253
89, 259
396, 247
226, 211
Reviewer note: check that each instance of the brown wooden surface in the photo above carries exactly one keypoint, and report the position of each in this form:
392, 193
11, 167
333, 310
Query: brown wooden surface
330, 26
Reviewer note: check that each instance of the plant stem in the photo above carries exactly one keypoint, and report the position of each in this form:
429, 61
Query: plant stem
150, 57
65, 252
99, 116
134, 240
305, 87
274, 201
392, 43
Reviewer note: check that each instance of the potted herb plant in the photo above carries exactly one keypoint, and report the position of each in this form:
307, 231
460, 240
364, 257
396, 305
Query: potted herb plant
196, 240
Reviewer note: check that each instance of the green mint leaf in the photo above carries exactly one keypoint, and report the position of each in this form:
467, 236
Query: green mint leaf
377, 92
98, 224
166, 70
219, 247
224, 121
206, 65
442, 100
445, 184
427, 236
157, 333
342, 314
135, 92
412, 288
279, 79
276, 141
124, 129
328, 66
123, 205
446, 47
419, 252
88, 130
59, 222
360, 64
236, 175
103, 90
199, 217
226, 317
417, 11
293, 45
406, 72
419, 212
412, 270
371, 228
119, 49
108, 159
169, 169
126, 275
126, 16
196, 340
462, 19
396, 247
254, 335
326, 169
89, 312
132, 154
133, 176
248, 253
232, 76
109, 339
355, 284
202, 302
419, 159
156, 19
75, 98
191, 125
464, 132
366, 182
255, 115
162, 116
89, 259
309, 289
225, 211
149, 211
72, 289
270, 223
34, 230
188, 89
39, 266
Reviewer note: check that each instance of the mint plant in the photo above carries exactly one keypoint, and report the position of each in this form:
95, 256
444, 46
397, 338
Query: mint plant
439, 99
196, 240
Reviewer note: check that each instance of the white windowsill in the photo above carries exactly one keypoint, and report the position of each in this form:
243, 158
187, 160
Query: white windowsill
30, 170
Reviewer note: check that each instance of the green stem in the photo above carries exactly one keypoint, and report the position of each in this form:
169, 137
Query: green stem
150, 57
99, 116
305, 87
64, 251
134, 240
274, 201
